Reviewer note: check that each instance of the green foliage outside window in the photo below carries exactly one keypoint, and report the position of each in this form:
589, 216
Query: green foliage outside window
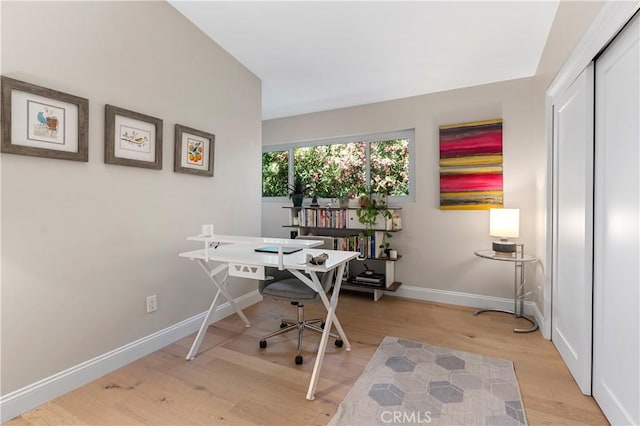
390, 167
275, 174
332, 171
339, 170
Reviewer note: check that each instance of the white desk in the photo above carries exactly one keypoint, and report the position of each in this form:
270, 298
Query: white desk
236, 255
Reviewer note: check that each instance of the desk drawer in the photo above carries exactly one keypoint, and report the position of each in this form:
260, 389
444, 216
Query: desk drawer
246, 271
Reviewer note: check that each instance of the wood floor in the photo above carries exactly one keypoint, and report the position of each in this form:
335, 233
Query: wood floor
234, 382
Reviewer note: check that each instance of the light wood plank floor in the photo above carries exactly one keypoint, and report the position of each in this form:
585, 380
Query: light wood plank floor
233, 381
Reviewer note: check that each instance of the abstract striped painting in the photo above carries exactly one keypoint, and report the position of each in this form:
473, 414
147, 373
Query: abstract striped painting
471, 165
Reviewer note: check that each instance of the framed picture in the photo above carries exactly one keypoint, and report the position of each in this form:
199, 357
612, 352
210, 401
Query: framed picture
471, 166
132, 139
194, 151
43, 122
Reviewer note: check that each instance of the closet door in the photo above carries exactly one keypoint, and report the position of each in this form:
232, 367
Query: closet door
616, 356
572, 281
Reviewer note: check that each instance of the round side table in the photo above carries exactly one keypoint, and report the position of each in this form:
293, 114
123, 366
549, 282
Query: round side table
519, 259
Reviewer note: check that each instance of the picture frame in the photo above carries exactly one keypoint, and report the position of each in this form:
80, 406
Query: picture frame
471, 172
194, 151
132, 139
43, 122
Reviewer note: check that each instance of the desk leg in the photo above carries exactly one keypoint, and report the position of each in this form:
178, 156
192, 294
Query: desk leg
208, 319
222, 287
332, 305
203, 329
331, 318
518, 297
234, 305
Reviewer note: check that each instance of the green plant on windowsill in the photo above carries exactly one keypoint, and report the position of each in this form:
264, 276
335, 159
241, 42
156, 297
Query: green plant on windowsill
343, 194
298, 190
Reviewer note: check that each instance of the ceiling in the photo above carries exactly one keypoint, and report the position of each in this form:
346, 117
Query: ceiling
315, 56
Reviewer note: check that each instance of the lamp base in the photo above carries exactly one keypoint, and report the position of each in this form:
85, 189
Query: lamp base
507, 247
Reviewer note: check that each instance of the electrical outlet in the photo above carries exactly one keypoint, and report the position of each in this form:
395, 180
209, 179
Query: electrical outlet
152, 303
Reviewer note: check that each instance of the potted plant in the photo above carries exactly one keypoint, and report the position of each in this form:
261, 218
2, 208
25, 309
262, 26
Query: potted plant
343, 196
370, 209
298, 190
386, 246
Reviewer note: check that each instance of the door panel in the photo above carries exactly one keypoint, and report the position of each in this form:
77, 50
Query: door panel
616, 365
573, 227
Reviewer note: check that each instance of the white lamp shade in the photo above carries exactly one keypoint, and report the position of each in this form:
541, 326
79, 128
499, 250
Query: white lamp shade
504, 223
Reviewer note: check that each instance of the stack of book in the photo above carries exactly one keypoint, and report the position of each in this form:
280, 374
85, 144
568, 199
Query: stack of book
369, 279
323, 218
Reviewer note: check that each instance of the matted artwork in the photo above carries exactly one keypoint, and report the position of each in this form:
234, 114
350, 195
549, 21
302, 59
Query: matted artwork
194, 151
471, 166
132, 139
43, 122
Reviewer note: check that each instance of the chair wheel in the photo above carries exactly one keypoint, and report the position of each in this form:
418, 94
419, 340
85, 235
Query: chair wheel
283, 325
298, 359
339, 343
263, 344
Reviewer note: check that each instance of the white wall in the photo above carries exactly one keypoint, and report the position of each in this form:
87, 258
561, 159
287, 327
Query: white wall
437, 246
84, 244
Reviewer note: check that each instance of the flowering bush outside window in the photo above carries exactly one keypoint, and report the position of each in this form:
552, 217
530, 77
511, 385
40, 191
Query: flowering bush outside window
341, 169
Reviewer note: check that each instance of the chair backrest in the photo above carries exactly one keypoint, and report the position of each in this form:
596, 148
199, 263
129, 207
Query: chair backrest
276, 275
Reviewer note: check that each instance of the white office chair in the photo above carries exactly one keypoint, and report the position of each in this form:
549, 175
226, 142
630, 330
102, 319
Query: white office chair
282, 285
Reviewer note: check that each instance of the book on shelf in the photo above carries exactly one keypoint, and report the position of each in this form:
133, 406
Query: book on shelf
369, 245
322, 218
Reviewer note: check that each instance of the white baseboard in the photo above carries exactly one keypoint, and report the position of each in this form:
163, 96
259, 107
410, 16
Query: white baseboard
539, 317
22, 400
464, 299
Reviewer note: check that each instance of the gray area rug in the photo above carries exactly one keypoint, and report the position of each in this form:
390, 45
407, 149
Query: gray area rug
415, 383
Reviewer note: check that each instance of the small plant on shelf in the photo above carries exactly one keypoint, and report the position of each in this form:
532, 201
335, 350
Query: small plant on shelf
373, 207
386, 246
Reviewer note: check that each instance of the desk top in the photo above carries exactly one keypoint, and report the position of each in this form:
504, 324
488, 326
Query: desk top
243, 253
490, 254
233, 239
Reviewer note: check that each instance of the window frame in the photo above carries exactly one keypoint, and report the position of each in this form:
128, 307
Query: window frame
408, 134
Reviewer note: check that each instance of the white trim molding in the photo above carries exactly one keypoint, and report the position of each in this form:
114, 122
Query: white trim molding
611, 19
465, 299
22, 400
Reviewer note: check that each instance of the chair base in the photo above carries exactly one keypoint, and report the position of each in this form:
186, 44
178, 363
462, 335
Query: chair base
300, 324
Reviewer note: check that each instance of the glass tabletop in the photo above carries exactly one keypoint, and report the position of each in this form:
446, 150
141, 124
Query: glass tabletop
507, 257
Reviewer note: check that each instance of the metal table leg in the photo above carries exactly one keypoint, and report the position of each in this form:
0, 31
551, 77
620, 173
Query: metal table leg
518, 297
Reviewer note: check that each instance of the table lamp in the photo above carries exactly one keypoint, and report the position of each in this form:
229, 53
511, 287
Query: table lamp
505, 224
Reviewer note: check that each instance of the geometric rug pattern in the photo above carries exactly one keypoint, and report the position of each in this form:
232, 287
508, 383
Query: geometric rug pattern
413, 383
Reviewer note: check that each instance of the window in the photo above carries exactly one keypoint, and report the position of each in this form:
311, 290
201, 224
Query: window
332, 171
342, 167
389, 162
275, 173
